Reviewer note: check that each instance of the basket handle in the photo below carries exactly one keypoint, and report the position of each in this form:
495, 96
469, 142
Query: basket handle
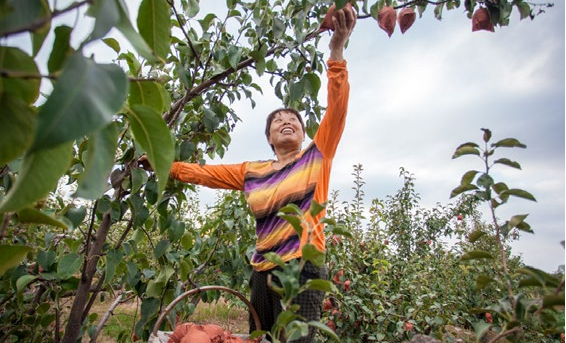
166, 310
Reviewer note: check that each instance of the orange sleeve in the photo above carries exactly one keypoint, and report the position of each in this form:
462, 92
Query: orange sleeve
334, 120
223, 176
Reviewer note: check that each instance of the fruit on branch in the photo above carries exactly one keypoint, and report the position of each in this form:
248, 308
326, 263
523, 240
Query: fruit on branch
481, 20
386, 19
327, 23
406, 18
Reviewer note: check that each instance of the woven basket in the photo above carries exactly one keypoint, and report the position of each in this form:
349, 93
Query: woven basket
158, 336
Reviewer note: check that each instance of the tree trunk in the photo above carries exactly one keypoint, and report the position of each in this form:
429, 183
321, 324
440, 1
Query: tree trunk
73, 329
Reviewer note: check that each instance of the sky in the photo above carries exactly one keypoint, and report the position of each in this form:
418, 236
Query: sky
416, 96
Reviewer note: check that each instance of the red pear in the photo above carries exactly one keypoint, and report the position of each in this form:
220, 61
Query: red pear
327, 23
386, 18
406, 18
481, 20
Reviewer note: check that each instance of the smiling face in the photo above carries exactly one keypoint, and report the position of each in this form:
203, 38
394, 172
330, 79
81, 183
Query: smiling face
285, 129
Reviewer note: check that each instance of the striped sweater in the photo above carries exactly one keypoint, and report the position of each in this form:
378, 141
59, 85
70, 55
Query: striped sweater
300, 182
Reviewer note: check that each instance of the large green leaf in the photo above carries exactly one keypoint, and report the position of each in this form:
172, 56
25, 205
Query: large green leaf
107, 15
15, 61
69, 265
153, 135
101, 147
147, 93
137, 41
22, 15
85, 98
155, 26
62, 49
16, 127
32, 215
11, 256
38, 176
328, 331
476, 254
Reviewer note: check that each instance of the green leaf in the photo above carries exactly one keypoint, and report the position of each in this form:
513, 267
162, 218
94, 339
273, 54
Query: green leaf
192, 8
32, 215
475, 235
320, 285
540, 277
149, 309
482, 281
524, 9
38, 37
153, 135
480, 329
323, 328
461, 189
486, 135
113, 259
499, 187
97, 90
11, 256
508, 162
274, 258
76, 215
476, 254
523, 226
521, 194
22, 14
23, 281
294, 221
516, 220
468, 177
552, 300
69, 265
160, 248
16, 127
155, 26
466, 149
100, 151
316, 208
113, 44
311, 83
146, 93
62, 49
311, 253
17, 62
137, 41
509, 143
485, 181
38, 176
296, 91
106, 14
45, 259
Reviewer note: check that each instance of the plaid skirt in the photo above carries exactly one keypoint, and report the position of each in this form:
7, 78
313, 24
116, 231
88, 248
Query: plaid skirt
267, 303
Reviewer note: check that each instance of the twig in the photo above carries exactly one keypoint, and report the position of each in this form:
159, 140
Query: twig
505, 333
109, 313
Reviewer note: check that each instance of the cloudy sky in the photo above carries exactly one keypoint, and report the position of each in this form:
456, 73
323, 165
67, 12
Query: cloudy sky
416, 96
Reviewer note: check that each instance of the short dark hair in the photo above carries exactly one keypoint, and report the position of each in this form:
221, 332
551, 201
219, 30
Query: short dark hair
271, 116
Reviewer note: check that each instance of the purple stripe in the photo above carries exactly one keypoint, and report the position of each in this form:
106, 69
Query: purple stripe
271, 222
291, 245
310, 155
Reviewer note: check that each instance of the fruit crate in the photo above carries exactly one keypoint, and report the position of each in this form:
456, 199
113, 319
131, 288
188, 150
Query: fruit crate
158, 336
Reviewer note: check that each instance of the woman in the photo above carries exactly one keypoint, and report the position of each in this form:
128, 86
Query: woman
295, 176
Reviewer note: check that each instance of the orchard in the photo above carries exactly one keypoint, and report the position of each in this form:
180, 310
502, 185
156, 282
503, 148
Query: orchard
81, 221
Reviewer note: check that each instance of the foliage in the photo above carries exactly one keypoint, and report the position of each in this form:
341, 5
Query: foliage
78, 217
448, 268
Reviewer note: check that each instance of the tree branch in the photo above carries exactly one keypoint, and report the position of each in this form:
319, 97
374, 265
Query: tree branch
109, 313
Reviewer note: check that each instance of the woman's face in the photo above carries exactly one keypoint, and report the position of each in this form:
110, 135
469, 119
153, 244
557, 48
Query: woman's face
286, 131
